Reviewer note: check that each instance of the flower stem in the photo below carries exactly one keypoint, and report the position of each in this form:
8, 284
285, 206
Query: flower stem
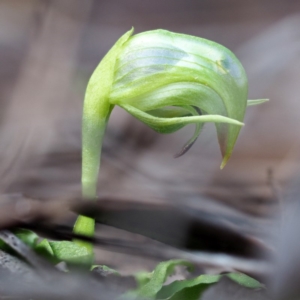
93, 129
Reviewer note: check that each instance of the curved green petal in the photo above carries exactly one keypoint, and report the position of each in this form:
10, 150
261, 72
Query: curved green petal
159, 124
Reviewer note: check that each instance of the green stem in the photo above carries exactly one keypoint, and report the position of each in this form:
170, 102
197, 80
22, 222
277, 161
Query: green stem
94, 122
92, 138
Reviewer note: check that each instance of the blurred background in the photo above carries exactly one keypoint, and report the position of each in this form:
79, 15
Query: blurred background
49, 49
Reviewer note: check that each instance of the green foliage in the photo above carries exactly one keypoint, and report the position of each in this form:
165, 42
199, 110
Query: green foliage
244, 280
158, 277
69, 252
142, 278
190, 287
152, 285
27, 236
54, 251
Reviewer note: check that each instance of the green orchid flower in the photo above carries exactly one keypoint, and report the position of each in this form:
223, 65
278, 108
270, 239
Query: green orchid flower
166, 80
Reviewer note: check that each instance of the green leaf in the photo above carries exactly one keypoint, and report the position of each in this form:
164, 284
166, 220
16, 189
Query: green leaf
191, 293
245, 280
71, 253
191, 287
66, 251
159, 275
151, 284
27, 236
44, 248
142, 278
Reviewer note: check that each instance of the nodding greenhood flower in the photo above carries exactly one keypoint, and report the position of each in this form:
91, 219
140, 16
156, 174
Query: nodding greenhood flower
166, 80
